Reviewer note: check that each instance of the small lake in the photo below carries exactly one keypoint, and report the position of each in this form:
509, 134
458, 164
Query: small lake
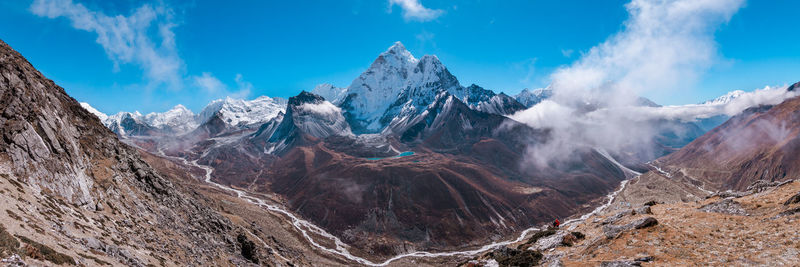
407, 153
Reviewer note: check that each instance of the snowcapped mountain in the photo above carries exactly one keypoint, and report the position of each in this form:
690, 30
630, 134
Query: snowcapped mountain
726, 98
377, 88
532, 97
485, 100
241, 113
100, 115
177, 120
398, 86
331, 93
307, 115
225, 113
129, 124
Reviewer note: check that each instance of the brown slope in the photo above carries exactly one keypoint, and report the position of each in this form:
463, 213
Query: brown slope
77, 190
463, 187
762, 143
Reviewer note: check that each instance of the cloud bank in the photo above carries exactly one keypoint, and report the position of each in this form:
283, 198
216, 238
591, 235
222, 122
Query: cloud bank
414, 10
125, 39
663, 45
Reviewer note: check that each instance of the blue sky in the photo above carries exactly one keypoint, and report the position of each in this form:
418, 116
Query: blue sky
192, 52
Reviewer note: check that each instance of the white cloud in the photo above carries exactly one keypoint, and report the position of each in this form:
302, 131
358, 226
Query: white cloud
209, 83
244, 87
325, 108
125, 39
692, 112
213, 86
414, 10
664, 45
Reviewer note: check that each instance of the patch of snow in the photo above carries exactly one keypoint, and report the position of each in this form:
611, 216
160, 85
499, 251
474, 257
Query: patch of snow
179, 119
100, 115
239, 112
331, 93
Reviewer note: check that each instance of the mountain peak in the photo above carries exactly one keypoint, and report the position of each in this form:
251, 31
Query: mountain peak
396, 53
793, 87
397, 47
180, 107
305, 97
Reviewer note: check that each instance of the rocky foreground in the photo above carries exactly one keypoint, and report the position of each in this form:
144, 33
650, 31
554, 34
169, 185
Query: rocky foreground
734, 228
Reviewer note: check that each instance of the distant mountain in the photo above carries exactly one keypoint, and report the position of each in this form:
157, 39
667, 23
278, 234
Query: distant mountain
529, 97
177, 120
398, 86
726, 98
243, 113
308, 116
331, 93
761, 143
217, 117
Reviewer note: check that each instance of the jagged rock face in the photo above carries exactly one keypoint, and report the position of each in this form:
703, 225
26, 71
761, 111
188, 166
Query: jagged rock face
53, 149
42, 137
308, 115
448, 123
759, 144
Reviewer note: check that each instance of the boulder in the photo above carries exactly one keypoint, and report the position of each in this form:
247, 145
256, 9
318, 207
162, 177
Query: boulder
726, 206
644, 210
620, 263
644, 223
612, 231
792, 200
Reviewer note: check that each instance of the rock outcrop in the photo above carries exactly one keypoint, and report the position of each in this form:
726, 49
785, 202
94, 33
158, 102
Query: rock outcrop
71, 188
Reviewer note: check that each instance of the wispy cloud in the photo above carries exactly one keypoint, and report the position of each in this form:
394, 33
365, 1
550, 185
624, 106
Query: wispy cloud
414, 10
125, 39
209, 83
213, 86
245, 87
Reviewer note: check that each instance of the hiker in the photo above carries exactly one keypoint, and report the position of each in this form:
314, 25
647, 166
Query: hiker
556, 223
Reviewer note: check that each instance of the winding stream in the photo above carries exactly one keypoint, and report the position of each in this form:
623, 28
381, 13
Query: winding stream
307, 228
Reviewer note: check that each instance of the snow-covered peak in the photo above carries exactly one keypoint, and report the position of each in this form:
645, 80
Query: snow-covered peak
307, 114
369, 95
331, 93
179, 119
239, 112
102, 116
124, 114
726, 98
398, 51
532, 97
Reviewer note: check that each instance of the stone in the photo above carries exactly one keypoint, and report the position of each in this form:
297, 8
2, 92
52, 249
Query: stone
612, 231
614, 218
644, 223
644, 210
792, 200
726, 206
620, 263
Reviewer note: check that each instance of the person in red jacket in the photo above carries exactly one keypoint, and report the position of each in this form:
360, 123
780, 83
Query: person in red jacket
556, 223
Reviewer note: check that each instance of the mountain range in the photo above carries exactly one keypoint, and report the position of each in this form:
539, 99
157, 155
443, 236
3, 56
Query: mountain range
318, 147
403, 160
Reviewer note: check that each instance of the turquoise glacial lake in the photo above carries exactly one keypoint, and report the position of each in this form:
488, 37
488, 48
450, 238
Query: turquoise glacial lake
407, 153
